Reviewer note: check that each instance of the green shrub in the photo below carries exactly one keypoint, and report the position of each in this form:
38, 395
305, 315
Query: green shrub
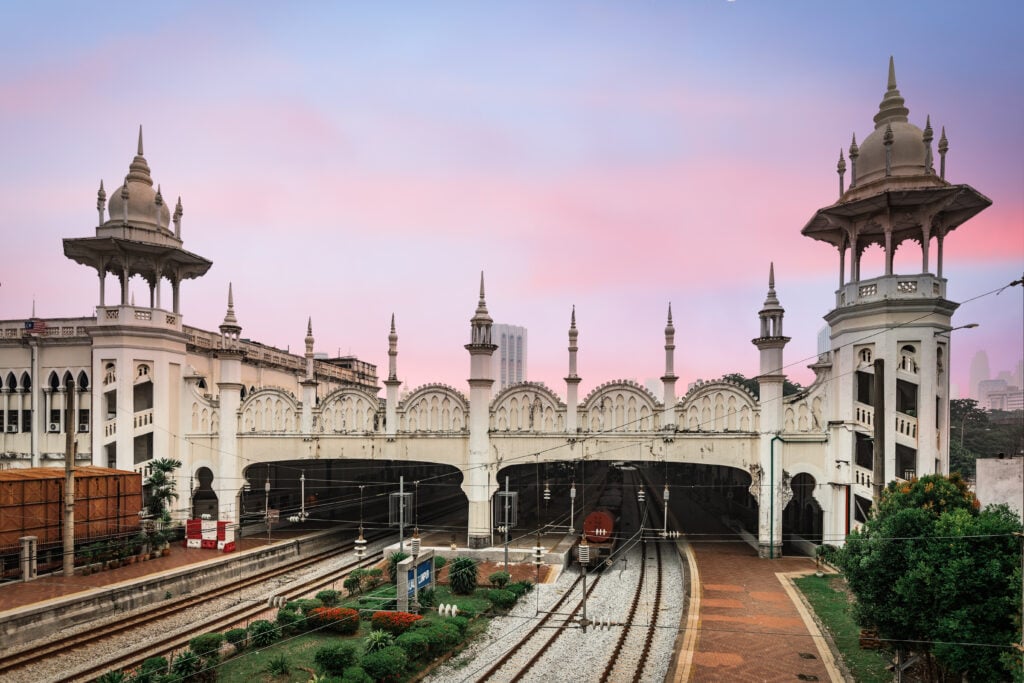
414, 644
374, 577
461, 623
206, 644
185, 665
112, 677
356, 674
334, 659
501, 599
262, 633
237, 637
439, 561
499, 579
151, 670
377, 640
393, 560
462, 575
520, 588
386, 664
279, 665
289, 621
352, 584
329, 598
426, 597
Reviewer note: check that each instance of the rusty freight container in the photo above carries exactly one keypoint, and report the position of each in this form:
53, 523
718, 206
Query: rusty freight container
107, 503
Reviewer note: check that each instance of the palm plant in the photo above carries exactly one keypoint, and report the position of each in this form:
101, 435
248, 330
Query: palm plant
162, 486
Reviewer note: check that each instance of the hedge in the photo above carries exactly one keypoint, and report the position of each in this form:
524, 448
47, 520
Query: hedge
394, 622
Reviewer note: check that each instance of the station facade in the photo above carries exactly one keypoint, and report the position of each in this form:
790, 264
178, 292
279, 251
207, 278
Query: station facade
144, 385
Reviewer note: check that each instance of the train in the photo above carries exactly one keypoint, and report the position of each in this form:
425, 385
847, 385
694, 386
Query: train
601, 526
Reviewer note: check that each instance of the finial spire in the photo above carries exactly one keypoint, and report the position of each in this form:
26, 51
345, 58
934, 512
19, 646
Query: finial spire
392, 323
140, 139
669, 312
943, 148
572, 323
771, 279
892, 106
927, 136
481, 286
841, 170
309, 326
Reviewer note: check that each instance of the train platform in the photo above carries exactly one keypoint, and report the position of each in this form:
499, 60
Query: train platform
748, 622
47, 587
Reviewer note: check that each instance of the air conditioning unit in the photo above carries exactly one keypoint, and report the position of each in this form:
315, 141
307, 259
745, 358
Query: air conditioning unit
12, 429
84, 427
53, 427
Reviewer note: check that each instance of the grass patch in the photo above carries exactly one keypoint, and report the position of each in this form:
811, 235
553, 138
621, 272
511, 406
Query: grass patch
251, 664
828, 597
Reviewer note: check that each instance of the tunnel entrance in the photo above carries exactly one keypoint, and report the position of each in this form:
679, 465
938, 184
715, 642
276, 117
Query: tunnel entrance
336, 493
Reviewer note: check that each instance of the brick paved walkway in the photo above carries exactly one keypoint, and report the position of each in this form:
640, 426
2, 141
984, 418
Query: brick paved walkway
749, 628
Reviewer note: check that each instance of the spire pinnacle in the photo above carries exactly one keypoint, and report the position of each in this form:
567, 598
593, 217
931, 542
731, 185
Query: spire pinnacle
140, 139
392, 323
892, 106
230, 323
669, 312
572, 323
771, 278
309, 326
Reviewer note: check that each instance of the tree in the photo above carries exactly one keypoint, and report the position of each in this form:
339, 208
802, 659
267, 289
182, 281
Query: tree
162, 486
752, 385
978, 433
932, 572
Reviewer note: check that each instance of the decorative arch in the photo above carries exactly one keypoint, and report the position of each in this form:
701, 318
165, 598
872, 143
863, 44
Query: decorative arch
83, 380
52, 381
434, 408
349, 409
527, 407
718, 406
269, 410
621, 406
11, 383
803, 514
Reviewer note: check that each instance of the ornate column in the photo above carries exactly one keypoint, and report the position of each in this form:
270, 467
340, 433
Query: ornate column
477, 482
572, 382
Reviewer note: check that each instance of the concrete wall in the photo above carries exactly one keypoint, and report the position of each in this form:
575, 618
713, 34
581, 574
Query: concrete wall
1002, 481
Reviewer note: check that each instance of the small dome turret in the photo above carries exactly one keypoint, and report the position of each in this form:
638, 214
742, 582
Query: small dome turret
145, 206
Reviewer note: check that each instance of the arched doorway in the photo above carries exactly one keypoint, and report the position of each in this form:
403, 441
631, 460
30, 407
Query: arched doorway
803, 516
204, 498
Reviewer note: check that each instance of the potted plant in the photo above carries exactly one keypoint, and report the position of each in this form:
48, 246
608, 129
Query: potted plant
156, 543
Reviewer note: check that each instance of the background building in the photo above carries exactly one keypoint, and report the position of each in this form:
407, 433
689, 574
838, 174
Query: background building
508, 364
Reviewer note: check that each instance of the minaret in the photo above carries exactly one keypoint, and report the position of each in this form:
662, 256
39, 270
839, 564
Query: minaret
308, 384
668, 381
770, 381
477, 483
886, 378
572, 382
229, 467
392, 383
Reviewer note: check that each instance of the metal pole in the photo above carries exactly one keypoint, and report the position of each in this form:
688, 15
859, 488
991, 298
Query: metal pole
506, 524
69, 479
302, 485
266, 505
401, 513
572, 508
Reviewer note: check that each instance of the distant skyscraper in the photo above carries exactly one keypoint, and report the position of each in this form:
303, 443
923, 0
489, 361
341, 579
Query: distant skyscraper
979, 373
508, 364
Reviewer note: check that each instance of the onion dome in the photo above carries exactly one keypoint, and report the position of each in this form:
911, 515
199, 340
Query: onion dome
908, 151
145, 206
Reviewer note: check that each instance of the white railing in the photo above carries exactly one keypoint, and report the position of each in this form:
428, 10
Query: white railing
864, 414
922, 286
110, 427
143, 418
906, 425
862, 476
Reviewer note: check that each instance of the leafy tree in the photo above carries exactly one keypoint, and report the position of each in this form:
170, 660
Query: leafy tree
978, 433
930, 570
753, 387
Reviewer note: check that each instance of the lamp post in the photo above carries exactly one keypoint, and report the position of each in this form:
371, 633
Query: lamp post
266, 506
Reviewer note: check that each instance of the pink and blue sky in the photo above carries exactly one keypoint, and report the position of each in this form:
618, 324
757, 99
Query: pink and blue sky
345, 161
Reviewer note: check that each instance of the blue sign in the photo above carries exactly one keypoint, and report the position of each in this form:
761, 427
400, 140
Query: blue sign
422, 576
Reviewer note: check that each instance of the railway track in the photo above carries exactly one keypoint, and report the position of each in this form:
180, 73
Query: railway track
619, 665
77, 641
166, 646
534, 635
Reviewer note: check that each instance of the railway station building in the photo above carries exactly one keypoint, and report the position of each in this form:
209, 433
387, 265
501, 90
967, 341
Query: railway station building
142, 384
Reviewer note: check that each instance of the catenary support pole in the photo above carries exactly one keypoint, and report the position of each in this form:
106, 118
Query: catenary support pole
69, 479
